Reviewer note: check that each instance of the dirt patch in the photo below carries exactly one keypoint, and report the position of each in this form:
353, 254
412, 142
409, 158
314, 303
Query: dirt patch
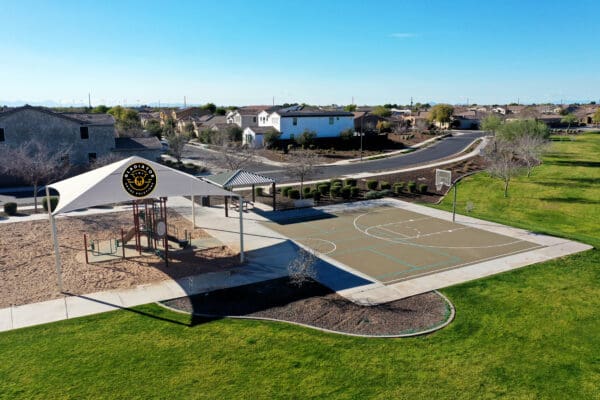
27, 271
315, 305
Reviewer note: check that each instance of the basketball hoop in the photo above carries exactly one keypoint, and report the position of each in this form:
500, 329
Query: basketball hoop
442, 177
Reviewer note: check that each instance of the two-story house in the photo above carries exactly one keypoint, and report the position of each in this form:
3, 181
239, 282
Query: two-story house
293, 121
87, 136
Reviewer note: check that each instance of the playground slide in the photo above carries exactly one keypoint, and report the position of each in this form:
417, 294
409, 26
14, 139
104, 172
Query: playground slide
129, 235
181, 243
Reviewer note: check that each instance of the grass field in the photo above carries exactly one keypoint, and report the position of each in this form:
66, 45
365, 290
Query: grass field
528, 334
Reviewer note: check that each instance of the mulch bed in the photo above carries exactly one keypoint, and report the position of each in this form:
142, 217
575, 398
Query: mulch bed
315, 305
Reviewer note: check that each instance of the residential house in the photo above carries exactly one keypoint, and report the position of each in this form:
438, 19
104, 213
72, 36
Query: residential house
293, 121
147, 147
86, 136
366, 122
248, 116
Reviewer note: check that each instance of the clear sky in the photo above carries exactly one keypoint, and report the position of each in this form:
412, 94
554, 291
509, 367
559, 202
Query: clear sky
318, 52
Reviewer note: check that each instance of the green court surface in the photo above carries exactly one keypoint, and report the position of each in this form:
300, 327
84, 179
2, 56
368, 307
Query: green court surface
391, 245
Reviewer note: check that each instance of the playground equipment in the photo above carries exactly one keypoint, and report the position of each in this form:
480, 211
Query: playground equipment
149, 220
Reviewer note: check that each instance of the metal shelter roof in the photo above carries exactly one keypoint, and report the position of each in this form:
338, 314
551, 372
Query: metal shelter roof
239, 178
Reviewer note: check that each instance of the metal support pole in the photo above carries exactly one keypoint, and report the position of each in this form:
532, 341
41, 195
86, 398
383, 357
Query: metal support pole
164, 200
253, 195
454, 203
85, 248
55, 240
274, 191
122, 242
226, 206
194, 212
241, 230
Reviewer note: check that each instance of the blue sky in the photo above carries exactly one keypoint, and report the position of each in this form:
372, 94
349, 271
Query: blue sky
318, 52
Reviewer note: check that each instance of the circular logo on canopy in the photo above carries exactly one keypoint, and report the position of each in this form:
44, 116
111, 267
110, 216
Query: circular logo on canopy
139, 180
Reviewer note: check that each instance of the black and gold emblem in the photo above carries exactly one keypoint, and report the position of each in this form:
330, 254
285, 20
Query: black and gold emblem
139, 179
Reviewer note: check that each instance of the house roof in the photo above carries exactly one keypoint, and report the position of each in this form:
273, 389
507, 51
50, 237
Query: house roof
92, 119
80, 118
239, 178
190, 112
137, 143
315, 114
261, 129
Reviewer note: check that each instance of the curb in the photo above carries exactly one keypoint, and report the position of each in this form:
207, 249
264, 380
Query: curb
401, 335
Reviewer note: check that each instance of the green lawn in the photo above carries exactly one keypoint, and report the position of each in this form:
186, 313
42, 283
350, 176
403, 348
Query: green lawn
531, 333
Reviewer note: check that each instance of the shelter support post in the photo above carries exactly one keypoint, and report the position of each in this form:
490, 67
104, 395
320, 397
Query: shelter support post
226, 206
253, 195
194, 212
241, 229
274, 191
85, 248
55, 240
454, 203
163, 207
122, 243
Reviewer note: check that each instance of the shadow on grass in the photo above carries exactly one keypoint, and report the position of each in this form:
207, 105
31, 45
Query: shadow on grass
139, 312
578, 200
574, 163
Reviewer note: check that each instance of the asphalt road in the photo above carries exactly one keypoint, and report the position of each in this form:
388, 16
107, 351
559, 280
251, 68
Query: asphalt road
442, 149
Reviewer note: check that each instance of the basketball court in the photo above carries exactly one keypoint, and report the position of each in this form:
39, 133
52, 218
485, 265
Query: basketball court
391, 245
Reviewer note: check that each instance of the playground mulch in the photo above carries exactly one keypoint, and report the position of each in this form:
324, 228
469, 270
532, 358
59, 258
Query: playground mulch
27, 269
315, 305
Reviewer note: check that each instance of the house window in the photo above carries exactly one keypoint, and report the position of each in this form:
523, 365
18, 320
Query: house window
84, 133
295, 121
1, 134
253, 119
330, 120
92, 157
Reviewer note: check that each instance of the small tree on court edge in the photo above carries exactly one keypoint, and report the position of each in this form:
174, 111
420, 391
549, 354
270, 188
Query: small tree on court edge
302, 268
302, 165
36, 163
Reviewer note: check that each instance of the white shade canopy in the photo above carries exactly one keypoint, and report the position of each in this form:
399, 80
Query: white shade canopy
107, 185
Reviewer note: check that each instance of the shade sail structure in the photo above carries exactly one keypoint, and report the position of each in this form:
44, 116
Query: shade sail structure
133, 178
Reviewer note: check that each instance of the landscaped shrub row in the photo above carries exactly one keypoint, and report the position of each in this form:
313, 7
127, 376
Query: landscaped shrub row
10, 208
53, 203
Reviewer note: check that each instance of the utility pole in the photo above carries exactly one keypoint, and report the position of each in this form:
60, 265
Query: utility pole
89, 100
273, 101
352, 100
184, 102
362, 119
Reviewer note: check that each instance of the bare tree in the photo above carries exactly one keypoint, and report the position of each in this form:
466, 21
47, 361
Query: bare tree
235, 156
302, 268
177, 144
106, 159
502, 161
529, 148
36, 163
302, 165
